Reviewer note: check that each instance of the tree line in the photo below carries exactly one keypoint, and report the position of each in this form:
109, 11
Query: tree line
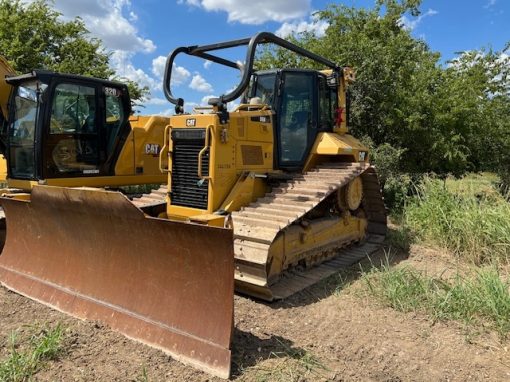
419, 114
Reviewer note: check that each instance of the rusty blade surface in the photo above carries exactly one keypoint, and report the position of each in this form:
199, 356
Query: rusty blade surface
94, 255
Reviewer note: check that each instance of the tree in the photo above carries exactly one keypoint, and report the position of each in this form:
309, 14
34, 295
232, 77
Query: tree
33, 36
440, 119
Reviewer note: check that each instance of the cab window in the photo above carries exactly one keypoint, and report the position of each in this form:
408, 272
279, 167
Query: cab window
114, 116
263, 87
73, 110
328, 102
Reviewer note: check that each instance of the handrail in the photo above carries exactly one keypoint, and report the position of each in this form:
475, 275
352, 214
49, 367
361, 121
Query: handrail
164, 149
202, 152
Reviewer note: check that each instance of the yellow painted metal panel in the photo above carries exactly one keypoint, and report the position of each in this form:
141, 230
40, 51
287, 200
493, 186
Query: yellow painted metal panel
142, 146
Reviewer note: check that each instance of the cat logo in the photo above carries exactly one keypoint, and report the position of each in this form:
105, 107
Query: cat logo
152, 149
191, 122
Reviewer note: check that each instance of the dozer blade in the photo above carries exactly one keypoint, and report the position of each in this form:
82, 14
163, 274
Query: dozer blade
94, 255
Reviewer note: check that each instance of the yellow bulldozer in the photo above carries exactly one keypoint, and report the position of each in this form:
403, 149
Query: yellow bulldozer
269, 197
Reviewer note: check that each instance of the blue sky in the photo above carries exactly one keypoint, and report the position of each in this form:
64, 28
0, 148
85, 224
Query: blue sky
140, 34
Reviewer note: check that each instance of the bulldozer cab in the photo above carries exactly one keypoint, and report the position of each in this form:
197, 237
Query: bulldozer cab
304, 104
64, 126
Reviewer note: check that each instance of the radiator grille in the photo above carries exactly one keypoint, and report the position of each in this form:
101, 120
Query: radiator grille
188, 190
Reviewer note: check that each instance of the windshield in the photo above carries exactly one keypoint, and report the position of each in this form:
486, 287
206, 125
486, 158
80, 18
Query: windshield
22, 130
25, 110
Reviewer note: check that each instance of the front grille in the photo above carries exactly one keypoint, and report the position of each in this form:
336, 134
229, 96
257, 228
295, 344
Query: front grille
187, 189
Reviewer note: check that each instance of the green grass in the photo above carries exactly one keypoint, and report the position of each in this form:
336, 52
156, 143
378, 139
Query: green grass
291, 365
24, 360
467, 217
143, 376
482, 296
473, 184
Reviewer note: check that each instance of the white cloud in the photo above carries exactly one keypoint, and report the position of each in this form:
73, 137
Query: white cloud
205, 99
167, 112
409, 24
121, 62
179, 73
207, 64
314, 25
155, 101
200, 84
158, 66
113, 22
133, 16
255, 12
490, 4
105, 19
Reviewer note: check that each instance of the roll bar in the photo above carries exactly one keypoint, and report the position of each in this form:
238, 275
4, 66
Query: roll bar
246, 69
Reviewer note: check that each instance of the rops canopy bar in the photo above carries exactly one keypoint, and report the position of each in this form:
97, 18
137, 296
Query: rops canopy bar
246, 69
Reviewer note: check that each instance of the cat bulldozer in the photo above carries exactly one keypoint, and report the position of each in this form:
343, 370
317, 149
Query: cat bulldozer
267, 198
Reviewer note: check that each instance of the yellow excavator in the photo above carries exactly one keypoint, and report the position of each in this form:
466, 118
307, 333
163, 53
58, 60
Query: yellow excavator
5, 90
270, 197
68, 130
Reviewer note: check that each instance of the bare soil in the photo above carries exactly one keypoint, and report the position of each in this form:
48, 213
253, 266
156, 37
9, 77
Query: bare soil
329, 332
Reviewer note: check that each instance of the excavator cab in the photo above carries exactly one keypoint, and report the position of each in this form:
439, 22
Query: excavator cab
72, 131
65, 126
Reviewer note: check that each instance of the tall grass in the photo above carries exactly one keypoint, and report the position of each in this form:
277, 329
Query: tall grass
24, 361
480, 296
475, 226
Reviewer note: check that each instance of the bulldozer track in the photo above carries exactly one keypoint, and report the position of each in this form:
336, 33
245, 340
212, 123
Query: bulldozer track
153, 202
257, 225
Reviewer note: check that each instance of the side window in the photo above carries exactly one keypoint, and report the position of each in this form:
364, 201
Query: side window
327, 104
73, 110
114, 116
265, 88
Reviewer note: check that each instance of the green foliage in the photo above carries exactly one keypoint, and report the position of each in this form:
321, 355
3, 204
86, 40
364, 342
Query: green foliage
33, 36
437, 119
480, 296
471, 225
22, 364
395, 184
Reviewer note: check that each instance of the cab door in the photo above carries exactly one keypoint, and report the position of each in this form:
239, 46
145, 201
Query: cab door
297, 118
72, 140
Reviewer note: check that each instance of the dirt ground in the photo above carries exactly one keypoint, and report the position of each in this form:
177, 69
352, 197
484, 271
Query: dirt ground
329, 332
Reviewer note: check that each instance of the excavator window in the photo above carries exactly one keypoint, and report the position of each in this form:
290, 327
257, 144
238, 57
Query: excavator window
74, 109
22, 131
113, 118
73, 143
